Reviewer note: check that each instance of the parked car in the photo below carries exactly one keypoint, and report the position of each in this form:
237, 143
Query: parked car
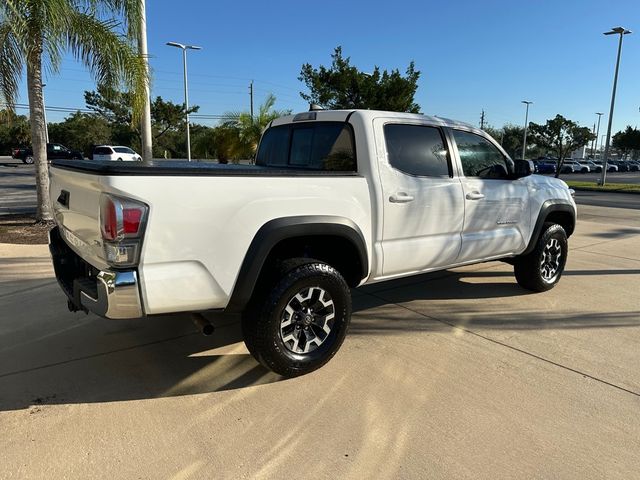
622, 166
593, 166
55, 151
282, 241
118, 153
633, 165
610, 166
568, 167
577, 166
543, 167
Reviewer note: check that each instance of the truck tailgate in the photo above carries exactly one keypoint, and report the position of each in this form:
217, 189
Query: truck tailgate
75, 198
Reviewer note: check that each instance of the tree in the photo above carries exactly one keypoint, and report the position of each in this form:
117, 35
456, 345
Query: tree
81, 131
560, 136
343, 86
221, 142
510, 136
248, 128
36, 33
627, 141
115, 107
14, 131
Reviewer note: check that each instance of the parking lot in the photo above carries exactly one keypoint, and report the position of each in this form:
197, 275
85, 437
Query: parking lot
456, 374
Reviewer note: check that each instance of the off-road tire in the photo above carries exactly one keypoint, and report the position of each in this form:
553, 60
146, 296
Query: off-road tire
541, 269
262, 323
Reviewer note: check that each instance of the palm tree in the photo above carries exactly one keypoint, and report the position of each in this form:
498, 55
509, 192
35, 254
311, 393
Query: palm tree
250, 128
36, 33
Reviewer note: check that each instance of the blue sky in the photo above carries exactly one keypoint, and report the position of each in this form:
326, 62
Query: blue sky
473, 55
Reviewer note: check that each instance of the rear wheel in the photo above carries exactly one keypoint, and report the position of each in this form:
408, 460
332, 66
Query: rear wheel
541, 269
28, 160
300, 324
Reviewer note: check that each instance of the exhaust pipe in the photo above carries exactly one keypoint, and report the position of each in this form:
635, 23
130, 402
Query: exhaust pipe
202, 323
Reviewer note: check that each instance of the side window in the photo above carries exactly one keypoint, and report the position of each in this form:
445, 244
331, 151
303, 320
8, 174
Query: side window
479, 157
57, 148
417, 150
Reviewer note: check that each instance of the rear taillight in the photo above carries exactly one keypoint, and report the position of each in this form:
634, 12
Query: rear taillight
122, 223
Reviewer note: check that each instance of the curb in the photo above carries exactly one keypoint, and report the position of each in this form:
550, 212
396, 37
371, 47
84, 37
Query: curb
608, 190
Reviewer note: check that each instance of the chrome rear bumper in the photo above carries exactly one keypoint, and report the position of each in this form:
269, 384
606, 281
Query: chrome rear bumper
109, 294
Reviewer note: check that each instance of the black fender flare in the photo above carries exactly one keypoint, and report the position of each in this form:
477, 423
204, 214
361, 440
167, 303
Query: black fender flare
547, 208
279, 229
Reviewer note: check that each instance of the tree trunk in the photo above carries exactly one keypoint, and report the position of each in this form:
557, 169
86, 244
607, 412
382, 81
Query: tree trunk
38, 137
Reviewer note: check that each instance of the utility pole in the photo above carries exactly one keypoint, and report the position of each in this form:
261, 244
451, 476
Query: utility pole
482, 120
145, 121
251, 98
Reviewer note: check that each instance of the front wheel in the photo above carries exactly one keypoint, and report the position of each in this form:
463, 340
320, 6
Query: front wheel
541, 269
301, 324
28, 160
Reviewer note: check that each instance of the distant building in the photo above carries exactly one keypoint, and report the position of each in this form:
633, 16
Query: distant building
579, 153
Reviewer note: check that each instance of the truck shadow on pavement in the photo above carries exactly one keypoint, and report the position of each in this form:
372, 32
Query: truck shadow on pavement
128, 362
52, 357
483, 303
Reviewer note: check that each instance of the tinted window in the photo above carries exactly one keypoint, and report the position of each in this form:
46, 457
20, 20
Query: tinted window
102, 151
479, 157
318, 146
123, 150
417, 150
274, 147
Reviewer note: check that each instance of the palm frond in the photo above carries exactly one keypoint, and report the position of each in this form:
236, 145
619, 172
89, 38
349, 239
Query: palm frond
111, 59
11, 65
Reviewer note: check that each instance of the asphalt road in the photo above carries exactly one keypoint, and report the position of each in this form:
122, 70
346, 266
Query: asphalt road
17, 187
458, 374
613, 177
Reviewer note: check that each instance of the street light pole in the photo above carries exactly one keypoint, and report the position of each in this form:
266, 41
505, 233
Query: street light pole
622, 32
595, 148
526, 125
186, 90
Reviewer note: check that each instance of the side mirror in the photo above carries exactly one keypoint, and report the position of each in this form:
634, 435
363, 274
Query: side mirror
523, 168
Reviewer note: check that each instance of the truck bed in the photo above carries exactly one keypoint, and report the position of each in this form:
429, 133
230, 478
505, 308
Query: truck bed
184, 168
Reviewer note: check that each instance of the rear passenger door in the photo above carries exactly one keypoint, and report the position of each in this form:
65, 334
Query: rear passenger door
423, 203
496, 206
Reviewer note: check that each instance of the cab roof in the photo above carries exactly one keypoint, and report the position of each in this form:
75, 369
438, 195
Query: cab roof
366, 115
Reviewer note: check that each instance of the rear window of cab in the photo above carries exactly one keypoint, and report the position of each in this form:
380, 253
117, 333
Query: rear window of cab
102, 151
313, 146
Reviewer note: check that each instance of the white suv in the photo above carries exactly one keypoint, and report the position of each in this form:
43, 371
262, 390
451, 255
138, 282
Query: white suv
118, 153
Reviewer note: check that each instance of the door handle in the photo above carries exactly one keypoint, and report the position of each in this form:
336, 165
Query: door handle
401, 197
474, 196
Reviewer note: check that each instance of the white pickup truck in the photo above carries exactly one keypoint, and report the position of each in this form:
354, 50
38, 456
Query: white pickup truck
336, 199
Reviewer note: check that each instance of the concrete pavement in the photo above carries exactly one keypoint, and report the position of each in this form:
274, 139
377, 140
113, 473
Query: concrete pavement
457, 374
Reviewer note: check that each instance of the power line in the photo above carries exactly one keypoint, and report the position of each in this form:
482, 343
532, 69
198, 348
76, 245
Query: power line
24, 106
